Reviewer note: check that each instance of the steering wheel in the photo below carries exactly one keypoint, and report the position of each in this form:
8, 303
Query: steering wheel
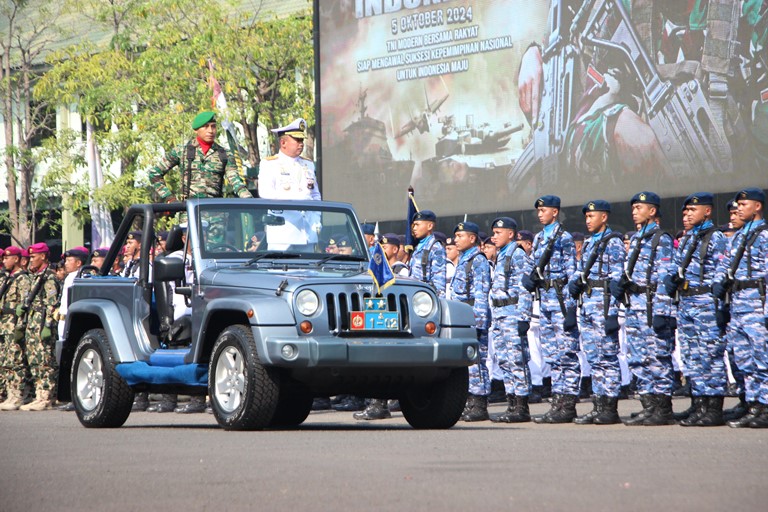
228, 247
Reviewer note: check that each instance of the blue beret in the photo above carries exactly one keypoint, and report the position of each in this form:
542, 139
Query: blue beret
343, 241
469, 227
390, 238
450, 241
752, 194
101, 252
550, 201
646, 198
598, 205
628, 235
202, 119
134, 235
428, 215
700, 199
162, 236
504, 222
368, 229
733, 204
524, 236
578, 236
440, 236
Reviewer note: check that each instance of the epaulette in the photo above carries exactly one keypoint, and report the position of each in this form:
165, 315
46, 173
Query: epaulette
273, 157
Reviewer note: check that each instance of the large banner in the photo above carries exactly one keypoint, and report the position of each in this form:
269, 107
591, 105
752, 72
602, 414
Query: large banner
482, 106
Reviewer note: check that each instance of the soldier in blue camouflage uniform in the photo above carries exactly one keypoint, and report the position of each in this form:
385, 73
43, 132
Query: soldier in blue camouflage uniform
701, 323
511, 308
602, 259
12, 329
204, 166
650, 324
559, 330
428, 259
749, 313
471, 285
41, 305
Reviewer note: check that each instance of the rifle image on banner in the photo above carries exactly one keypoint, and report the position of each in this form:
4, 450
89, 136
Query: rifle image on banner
679, 116
537, 274
557, 107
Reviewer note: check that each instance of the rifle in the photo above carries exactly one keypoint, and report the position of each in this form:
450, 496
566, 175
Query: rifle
537, 274
33, 293
626, 277
679, 116
557, 107
603, 243
679, 277
730, 276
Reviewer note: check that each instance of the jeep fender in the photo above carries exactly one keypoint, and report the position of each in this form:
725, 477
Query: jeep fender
114, 321
457, 320
269, 313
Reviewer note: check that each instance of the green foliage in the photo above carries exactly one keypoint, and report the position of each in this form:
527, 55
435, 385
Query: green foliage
152, 78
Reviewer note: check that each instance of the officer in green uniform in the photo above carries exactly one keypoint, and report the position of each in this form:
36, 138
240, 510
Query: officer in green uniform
203, 163
40, 306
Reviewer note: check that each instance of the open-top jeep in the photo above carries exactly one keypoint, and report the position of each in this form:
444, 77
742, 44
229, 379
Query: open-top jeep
261, 331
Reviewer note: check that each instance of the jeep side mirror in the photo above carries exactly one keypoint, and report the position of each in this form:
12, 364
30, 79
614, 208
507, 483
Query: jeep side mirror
168, 269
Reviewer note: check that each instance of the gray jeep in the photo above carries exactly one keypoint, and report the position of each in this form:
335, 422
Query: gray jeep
261, 330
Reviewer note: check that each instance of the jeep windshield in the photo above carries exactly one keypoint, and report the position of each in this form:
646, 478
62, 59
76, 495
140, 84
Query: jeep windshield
262, 230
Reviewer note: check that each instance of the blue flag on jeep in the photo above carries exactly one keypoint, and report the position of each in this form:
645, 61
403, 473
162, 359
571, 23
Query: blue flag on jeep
379, 269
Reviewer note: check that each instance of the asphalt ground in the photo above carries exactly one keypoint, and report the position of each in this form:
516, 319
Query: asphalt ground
170, 462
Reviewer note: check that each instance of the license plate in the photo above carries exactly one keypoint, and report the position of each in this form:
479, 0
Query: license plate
373, 321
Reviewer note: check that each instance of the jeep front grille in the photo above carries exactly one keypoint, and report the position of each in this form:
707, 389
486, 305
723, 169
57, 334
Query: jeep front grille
340, 305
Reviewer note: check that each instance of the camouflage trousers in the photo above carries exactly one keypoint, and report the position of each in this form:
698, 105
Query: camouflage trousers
12, 362
650, 357
559, 347
479, 377
512, 355
41, 360
701, 346
601, 351
730, 350
748, 338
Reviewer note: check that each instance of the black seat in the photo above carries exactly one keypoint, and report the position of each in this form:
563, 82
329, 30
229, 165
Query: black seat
163, 292
174, 242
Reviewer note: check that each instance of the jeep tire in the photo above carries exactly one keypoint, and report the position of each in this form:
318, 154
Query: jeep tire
244, 393
101, 397
439, 405
293, 407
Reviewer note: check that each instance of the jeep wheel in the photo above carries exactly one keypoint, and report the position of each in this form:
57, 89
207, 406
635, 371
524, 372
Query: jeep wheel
101, 397
293, 407
244, 393
439, 405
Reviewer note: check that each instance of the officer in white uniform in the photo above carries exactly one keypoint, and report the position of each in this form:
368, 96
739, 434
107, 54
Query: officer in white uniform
288, 175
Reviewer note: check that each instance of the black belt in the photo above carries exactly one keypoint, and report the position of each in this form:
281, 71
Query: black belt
509, 301
636, 289
554, 283
744, 284
597, 283
689, 291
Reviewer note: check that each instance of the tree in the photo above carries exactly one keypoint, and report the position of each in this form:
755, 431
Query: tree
152, 79
29, 31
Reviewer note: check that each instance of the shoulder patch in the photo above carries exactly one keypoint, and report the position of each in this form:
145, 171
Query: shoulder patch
273, 157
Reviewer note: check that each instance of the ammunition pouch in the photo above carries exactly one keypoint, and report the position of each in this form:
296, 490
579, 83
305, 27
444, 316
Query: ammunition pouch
746, 284
509, 301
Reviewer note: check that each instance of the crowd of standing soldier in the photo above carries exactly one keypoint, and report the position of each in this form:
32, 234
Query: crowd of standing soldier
704, 298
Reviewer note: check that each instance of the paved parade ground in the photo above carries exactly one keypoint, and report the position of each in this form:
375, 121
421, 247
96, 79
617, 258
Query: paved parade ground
170, 462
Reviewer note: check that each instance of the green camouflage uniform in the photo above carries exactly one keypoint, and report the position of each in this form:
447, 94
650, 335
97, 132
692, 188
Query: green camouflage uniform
42, 314
12, 364
207, 175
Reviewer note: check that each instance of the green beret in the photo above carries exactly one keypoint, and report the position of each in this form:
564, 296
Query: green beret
202, 119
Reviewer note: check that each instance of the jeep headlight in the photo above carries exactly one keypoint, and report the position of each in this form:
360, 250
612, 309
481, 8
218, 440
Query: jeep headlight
423, 304
307, 302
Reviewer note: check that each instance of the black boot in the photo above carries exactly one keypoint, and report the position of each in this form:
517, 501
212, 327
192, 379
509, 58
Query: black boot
662, 412
167, 404
700, 407
196, 404
755, 409
680, 416
739, 410
497, 392
517, 411
376, 410
713, 415
585, 388
546, 387
321, 403
609, 412
140, 402
761, 419
479, 409
555, 405
350, 403
588, 419
684, 390
535, 396
563, 411
648, 402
